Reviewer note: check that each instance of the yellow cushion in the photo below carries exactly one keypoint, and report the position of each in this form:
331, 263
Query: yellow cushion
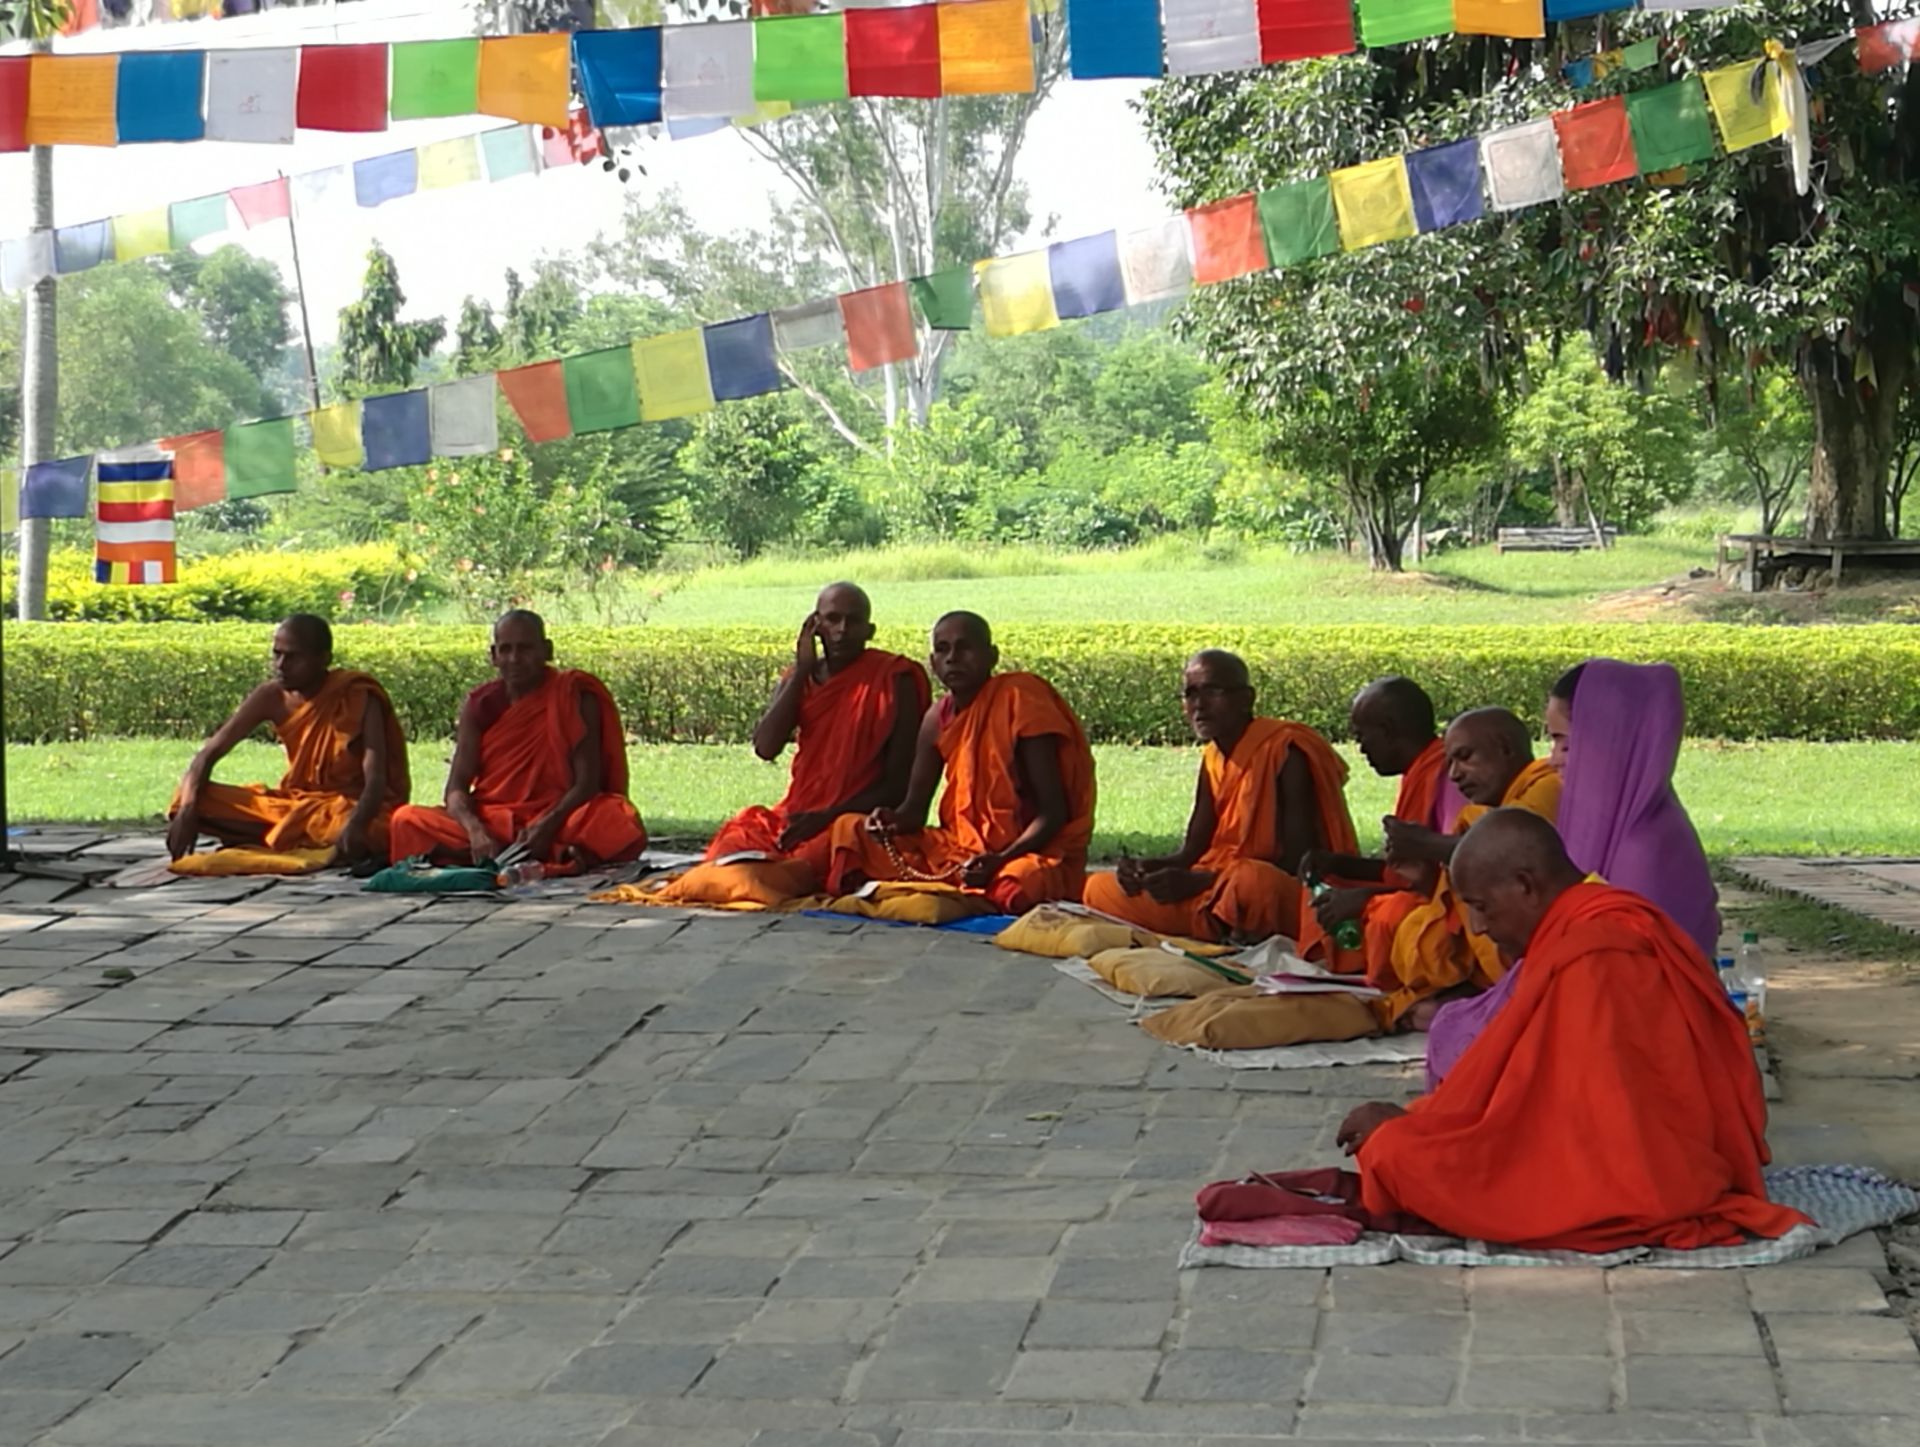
910, 902
755, 884
1241, 1018
222, 863
1154, 973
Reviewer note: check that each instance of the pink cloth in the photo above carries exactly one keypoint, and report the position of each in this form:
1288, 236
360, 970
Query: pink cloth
1281, 1231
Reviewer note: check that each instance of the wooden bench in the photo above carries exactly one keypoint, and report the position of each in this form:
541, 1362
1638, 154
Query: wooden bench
1551, 540
1754, 558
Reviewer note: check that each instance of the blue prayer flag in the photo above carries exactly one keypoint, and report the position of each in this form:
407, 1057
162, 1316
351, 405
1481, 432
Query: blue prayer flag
620, 75
1579, 73
740, 358
1108, 38
380, 179
56, 489
1086, 275
1579, 9
395, 430
79, 248
1446, 185
157, 95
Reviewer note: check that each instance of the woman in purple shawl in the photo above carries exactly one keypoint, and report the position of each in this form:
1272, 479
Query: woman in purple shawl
1619, 816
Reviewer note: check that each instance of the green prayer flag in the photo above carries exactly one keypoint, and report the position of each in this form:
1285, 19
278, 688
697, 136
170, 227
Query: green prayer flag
509, 152
800, 58
190, 220
945, 299
1299, 221
1670, 126
434, 78
600, 390
259, 458
1640, 55
1395, 22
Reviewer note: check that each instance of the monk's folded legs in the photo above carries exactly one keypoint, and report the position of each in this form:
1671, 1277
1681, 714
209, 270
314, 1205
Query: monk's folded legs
1187, 918
604, 830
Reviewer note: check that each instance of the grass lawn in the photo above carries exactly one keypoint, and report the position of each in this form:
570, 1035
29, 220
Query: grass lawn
1767, 798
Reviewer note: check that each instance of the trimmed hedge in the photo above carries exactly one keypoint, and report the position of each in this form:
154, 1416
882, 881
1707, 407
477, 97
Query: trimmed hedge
262, 587
706, 685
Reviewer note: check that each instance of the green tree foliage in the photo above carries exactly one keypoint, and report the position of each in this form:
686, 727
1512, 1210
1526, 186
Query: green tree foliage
378, 351
476, 339
753, 474
1761, 445
243, 303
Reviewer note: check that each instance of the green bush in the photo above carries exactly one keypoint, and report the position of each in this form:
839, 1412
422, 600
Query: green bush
709, 684
259, 587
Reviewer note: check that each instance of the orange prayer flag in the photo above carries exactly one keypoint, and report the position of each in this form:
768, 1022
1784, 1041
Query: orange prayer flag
879, 326
538, 395
1227, 240
199, 469
986, 47
1521, 19
527, 77
72, 100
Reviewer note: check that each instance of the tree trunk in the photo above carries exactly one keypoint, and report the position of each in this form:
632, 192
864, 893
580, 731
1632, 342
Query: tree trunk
40, 394
1566, 495
1852, 441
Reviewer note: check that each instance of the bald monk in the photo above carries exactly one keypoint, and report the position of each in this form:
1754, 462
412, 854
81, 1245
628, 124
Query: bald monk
1016, 811
1613, 1102
539, 760
855, 712
1269, 794
346, 759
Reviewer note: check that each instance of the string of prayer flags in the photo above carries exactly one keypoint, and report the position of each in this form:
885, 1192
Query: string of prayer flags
1204, 36
527, 78
24, 261
444, 164
1523, 165
268, 201
986, 48
191, 221
1445, 182
1883, 46
620, 75
1746, 103
671, 374
434, 78
199, 469
1227, 240
509, 152
1596, 144
56, 489
1086, 276
157, 96
800, 58
1112, 38
1298, 222
740, 359
341, 88
259, 458
600, 390
72, 100
707, 70
336, 435
1303, 29
14, 75
945, 299
133, 524
141, 233
462, 419
251, 96
1016, 294
879, 326
380, 179
82, 247
1395, 22
1156, 262
1517, 19
1373, 203
894, 52
538, 396
395, 430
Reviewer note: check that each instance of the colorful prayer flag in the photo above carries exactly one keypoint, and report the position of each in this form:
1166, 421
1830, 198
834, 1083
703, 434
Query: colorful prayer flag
945, 299
879, 324
158, 95
199, 469
538, 395
1227, 240
800, 58
1302, 29
986, 48
133, 526
810, 324
1016, 294
1395, 22
1204, 36
82, 247
259, 458
1746, 102
671, 374
24, 260
509, 152
15, 74
1518, 19
342, 88
395, 430
251, 95
707, 70
336, 435
1563, 10
462, 419
1373, 202
1670, 126
269, 201
1522, 165
191, 221
1108, 38
56, 489
894, 52
1445, 181
71, 100
444, 164
740, 359
1086, 276
527, 77
141, 233
1298, 221
620, 74
380, 179
600, 390
1156, 262
1881, 47
434, 78
315, 193
1596, 144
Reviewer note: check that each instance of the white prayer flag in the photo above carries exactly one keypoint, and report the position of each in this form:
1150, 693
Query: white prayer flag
461, 418
250, 95
25, 260
1209, 35
1522, 165
811, 324
316, 192
1156, 263
707, 70
1682, 4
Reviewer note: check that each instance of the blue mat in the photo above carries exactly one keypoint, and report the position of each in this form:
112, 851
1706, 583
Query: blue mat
979, 924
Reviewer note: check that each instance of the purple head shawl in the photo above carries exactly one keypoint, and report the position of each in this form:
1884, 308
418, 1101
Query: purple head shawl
1620, 819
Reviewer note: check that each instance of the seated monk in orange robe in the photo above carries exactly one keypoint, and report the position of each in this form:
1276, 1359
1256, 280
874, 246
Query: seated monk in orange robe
539, 760
1269, 793
855, 712
1613, 1100
1017, 810
346, 759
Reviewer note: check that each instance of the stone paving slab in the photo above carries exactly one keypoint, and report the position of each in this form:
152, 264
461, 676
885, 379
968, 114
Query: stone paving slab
1886, 890
474, 1172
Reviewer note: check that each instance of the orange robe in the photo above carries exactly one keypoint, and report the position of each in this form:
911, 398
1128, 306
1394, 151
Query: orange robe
326, 774
1251, 896
1612, 1102
981, 808
526, 765
840, 751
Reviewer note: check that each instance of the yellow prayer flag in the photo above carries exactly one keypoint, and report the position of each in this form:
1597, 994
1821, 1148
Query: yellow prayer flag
986, 47
449, 163
1521, 19
141, 233
527, 78
71, 100
10, 501
336, 435
1373, 203
1743, 120
671, 372
1016, 294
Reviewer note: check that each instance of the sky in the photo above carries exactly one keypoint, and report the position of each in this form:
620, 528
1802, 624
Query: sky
457, 242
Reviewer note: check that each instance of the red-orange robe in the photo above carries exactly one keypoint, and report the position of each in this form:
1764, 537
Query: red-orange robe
326, 774
981, 808
840, 752
1612, 1102
1251, 896
526, 765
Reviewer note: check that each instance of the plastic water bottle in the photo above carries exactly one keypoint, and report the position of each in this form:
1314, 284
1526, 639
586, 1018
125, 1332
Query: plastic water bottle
1347, 935
1728, 969
1752, 971
527, 871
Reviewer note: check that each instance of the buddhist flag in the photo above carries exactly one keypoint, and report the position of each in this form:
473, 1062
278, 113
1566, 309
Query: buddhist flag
250, 95
462, 420
740, 359
1086, 276
342, 88
810, 324
380, 179
259, 458
1519, 19
879, 325
945, 299
257, 205
986, 48
707, 70
1156, 262
1522, 165
15, 73
800, 58
1209, 35
538, 396
1374, 203
141, 233
1446, 185
133, 528
894, 52
435, 78
449, 163
620, 75
336, 435
1746, 102
72, 99
1302, 29
526, 77
158, 96
1395, 22
1670, 126
600, 390
672, 375
199, 469
56, 489
1227, 240
195, 220
395, 430
82, 247
1596, 144
1108, 38
1016, 294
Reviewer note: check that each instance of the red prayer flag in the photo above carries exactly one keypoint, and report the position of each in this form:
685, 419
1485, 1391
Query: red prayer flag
260, 204
82, 15
879, 326
199, 468
1302, 29
1596, 144
894, 52
1227, 240
1883, 46
342, 88
538, 395
13, 103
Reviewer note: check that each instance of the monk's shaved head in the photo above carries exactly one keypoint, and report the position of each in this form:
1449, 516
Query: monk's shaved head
302, 652
1508, 871
848, 598
843, 621
1486, 750
520, 651
1217, 692
1228, 669
1392, 722
977, 628
310, 631
520, 618
962, 655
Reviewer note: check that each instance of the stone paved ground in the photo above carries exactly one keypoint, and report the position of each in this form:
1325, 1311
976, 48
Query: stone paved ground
1887, 890
375, 1170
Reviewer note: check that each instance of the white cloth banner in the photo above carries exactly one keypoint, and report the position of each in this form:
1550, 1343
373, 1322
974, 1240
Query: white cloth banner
1156, 263
1210, 35
250, 95
707, 70
25, 260
1522, 165
811, 324
461, 418
317, 192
